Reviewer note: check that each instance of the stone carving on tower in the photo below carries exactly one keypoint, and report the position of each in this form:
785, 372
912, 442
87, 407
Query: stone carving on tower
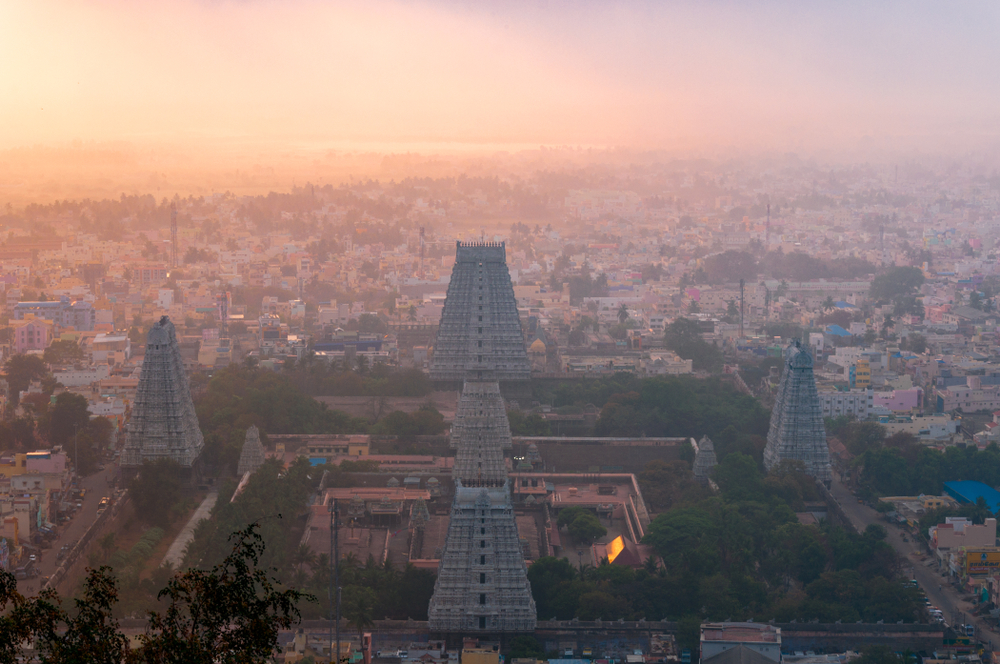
482, 583
704, 460
480, 329
480, 434
252, 454
797, 431
163, 424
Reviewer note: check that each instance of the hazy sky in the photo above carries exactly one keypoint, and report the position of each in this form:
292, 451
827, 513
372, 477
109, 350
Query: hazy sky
641, 74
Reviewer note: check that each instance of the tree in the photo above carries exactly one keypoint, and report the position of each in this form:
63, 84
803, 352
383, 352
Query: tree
828, 303
411, 313
525, 647
358, 604
304, 556
231, 613
915, 343
622, 313
887, 325
91, 635
528, 425
21, 370
155, 491
896, 282
585, 527
683, 336
369, 323
62, 352
693, 306
67, 423
732, 311
107, 543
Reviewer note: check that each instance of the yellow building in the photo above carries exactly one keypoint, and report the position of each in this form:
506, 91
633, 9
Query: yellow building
14, 465
480, 656
862, 374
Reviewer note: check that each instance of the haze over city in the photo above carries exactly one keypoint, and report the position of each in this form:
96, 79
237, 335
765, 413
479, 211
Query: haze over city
469, 333
218, 81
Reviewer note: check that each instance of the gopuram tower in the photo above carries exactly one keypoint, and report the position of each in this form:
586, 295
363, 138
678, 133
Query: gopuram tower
482, 583
797, 431
480, 330
163, 424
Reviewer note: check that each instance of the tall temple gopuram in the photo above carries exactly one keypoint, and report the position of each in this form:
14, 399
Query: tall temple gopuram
797, 430
482, 583
480, 330
163, 424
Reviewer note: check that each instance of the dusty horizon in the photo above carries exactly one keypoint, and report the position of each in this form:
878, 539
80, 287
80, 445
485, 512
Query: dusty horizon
192, 96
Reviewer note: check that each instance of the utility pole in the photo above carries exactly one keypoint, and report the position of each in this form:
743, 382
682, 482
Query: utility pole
334, 578
742, 284
173, 235
767, 229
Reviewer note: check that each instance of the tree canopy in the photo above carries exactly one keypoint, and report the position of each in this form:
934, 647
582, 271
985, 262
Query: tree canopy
743, 555
683, 336
895, 283
229, 613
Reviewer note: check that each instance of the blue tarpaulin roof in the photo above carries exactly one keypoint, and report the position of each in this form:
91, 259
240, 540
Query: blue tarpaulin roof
837, 331
967, 491
844, 305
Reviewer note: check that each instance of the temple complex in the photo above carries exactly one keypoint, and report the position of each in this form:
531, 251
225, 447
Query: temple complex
797, 431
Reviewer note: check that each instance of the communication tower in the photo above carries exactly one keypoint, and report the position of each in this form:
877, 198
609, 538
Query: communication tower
767, 228
173, 235
421, 264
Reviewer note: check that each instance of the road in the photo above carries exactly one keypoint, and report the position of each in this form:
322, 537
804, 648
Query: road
97, 487
956, 609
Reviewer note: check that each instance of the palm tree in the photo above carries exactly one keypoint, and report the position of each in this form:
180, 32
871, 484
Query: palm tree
980, 511
887, 325
303, 556
358, 606
828, 303
622, 313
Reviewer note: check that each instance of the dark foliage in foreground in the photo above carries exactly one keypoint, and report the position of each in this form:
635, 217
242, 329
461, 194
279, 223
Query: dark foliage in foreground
231, 613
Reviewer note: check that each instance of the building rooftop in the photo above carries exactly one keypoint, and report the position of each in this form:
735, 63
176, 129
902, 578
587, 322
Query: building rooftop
967, 491
742, 632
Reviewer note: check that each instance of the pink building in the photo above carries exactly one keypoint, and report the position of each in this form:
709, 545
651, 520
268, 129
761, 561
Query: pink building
900, 401
959, 532
31, 334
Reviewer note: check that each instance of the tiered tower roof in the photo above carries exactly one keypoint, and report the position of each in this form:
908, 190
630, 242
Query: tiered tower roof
480, 329
163, 424
480, 434
252, 454
482, 583
704, 460
797, 431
